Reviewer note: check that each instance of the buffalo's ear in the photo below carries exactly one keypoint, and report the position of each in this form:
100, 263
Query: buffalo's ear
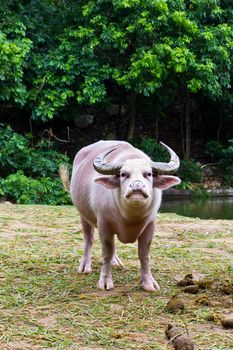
165, 181
110, 182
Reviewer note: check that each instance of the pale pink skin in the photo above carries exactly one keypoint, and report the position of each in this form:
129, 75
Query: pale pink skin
107, 202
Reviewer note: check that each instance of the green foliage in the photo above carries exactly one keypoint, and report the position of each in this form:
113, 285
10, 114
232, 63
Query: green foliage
197, 189
29, 175
184, 185
189, 171
133, 45
227, 161
14, 50
153, 149
21, 189
98, 53
228, 154
16, 154
214, 150
224, 156
200, 193
228, 179
14, 151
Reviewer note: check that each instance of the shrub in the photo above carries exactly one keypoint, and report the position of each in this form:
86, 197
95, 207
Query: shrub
224, 157
16, 154
227, 164
29, 175
200, 193
228, 180
227, 157
189, 171
214, 151
21, 189
153, 149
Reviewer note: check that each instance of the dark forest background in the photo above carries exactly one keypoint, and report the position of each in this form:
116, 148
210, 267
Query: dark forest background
73, 72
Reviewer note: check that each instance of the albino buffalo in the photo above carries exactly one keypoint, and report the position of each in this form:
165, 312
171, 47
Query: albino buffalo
123, 202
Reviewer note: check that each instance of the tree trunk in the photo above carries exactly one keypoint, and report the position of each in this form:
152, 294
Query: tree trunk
220, 125
132, 116
157, 127
182, 129
187, 126
118, 121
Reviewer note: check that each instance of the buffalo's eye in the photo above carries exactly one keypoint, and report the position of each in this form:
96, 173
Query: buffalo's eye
124, 174
148, 174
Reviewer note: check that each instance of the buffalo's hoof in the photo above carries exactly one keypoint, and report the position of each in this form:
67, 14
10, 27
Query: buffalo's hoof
85, 266
105, 283
149, 284
116, 261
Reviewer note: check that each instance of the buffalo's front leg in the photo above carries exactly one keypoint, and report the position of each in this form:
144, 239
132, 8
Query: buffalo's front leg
144, 242
85, 263
107, 241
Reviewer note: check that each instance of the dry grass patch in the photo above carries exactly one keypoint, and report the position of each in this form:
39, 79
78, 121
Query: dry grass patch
45, 304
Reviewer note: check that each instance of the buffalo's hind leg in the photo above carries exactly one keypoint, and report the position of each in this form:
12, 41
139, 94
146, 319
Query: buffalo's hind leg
88, 233
116, 261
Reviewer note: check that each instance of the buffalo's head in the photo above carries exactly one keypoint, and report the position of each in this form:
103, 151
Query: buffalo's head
136, 178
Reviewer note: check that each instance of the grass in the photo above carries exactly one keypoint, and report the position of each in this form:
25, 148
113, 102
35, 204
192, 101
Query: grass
45, 304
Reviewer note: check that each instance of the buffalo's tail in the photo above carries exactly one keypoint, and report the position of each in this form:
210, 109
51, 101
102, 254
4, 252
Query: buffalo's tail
64, 175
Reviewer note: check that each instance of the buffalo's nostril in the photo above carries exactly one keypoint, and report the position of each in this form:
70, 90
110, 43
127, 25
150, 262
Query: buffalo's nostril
137, 185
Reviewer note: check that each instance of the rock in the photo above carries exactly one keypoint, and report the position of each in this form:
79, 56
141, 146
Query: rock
205, 283
227, 322
178, 338
186, 281
173, 331
175, 305
197, 277
191, 289
208, 172
192, 279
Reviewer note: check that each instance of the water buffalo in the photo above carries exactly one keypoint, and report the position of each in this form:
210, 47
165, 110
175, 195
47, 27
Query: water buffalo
123, 202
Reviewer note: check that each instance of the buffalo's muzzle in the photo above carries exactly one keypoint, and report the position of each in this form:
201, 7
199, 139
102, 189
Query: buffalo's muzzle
137, 187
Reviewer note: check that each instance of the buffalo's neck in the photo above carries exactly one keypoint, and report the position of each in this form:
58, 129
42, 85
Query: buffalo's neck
128, 231
135, 214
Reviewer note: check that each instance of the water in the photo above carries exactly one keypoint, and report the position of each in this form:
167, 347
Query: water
215, 208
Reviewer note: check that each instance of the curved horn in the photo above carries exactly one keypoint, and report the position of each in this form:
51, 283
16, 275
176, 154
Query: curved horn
105, 168
167, 168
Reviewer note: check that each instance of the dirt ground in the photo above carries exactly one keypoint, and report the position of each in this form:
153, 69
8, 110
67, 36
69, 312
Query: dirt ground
45, 304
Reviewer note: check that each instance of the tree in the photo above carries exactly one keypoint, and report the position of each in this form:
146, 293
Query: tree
14, 48
91, 53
